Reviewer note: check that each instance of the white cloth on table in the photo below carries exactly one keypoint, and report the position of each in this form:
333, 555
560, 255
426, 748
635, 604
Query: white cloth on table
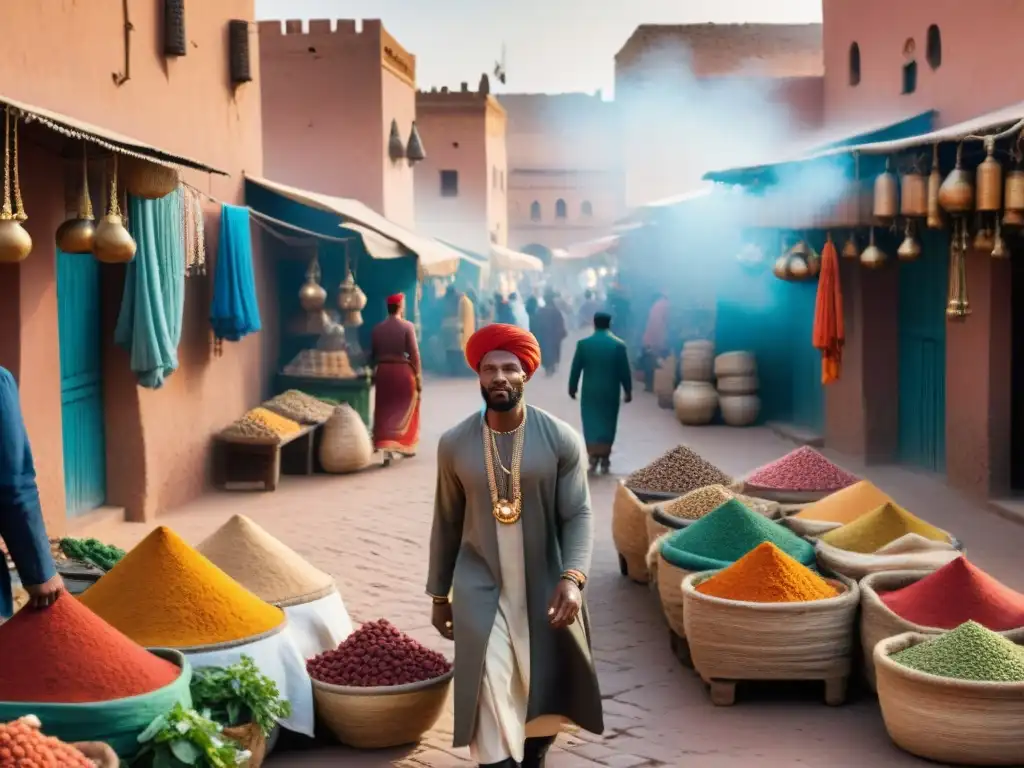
279, 659
501, 727
319, 625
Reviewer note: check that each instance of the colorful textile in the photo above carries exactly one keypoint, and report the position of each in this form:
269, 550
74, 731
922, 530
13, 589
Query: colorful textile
153, 302
829, 334
507, 338
234, 312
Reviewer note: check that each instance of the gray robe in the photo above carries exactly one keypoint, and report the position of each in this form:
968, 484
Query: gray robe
557, 536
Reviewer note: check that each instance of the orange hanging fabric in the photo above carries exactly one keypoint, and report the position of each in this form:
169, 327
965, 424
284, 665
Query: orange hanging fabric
829, 334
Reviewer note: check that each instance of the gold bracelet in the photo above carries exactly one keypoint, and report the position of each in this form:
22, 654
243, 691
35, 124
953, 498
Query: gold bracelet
575, 577
439, 600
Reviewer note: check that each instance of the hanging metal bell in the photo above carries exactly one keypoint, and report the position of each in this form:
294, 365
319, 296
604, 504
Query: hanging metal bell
351, 301
15, 241
78, 235
999, 249
909, 249
113, 244
885, 208
873, 257
934, 184
990, 180
850, 249
414, 148
396, 149
956, 194
781, 268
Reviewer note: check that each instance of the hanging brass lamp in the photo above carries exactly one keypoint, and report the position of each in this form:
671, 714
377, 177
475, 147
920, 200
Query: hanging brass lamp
999, 249
959, 306
934, 183
989, 179
984, 237
873, 257
113, 243
351, 301
77, 235
956, 195
15, 241
1013, 196
885, 207
850, 248
914, 195
312, 295
909, 249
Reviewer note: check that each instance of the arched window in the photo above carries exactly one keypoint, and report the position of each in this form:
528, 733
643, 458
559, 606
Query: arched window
586, 209
909, 66
854, 64
933, 48
560, 209
534, 211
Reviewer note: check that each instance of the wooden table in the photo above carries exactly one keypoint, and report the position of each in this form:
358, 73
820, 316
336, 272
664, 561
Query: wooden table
241, 460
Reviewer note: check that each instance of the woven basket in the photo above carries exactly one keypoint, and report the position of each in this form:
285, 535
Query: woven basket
346, 445
670, 590
147, 180
948, 721
734, 640
250, 737
776, 494
381, 718
878, 622
629, 531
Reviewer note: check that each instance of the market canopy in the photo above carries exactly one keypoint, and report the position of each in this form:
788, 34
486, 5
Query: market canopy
828, 144
102, 137
588, 248
381, 236
506, 260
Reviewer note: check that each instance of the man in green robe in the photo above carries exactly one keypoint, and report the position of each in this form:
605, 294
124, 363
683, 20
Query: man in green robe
510, 546
603, 362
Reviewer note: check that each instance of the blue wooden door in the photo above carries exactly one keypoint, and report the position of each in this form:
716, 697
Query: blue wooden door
922, 339
80, 330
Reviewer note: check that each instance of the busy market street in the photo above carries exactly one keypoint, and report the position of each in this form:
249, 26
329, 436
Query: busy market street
369, 531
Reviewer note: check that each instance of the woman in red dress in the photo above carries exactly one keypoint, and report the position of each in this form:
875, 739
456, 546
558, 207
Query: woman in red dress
396, 418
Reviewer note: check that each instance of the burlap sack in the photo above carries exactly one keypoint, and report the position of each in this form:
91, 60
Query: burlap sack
946, 720
907, 553
346, 445
629, 532
812, 529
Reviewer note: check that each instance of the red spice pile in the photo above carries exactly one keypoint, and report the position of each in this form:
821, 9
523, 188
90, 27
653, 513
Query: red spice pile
956, 593
23, 746
802, 470
67, 654
377, 655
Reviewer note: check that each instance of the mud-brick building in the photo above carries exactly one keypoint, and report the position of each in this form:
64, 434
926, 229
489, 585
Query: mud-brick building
76, 75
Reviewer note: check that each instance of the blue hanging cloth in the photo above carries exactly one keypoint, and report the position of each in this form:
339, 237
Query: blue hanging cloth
234, 312
153, 304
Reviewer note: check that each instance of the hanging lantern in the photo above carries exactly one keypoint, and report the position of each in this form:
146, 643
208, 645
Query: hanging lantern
813, 259
909, 249
78, 234
351, 301
113, 243
414, 150
934, 183
15, 241
885, 195
396, 150
959, 306
781, 268
850, 249
312, 295
956, 195
990, 180
1013, 197
873, 257
914, 195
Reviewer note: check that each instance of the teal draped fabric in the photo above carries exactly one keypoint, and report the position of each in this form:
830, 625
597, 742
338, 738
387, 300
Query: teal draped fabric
153, 305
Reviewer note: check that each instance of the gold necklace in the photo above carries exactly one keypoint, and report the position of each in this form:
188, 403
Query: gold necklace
508, 507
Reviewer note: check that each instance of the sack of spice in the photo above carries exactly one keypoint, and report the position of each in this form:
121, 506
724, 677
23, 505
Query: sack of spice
676, 472
801, 476
769, 617
837, 509
934, 602
954, 699
887, 539
346, 445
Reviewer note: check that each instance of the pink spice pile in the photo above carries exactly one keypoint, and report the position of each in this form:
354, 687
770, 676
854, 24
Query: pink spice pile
802, 470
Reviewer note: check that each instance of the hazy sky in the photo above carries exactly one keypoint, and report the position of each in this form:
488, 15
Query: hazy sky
552, 45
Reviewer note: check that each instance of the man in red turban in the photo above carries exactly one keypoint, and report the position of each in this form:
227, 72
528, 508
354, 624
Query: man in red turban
512, 539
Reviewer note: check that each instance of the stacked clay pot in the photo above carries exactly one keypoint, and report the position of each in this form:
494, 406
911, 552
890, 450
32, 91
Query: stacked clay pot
738, 386
695, 400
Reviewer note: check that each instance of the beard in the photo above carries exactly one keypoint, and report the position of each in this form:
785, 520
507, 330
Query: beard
515, 396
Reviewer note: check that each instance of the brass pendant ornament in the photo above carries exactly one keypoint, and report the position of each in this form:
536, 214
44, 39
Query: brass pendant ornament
506, 506
15, 241
78, 235
113, 243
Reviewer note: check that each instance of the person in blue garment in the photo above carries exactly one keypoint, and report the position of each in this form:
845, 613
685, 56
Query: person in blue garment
21, 518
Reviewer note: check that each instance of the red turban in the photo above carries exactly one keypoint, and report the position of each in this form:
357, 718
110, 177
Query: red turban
506, 338
395, 299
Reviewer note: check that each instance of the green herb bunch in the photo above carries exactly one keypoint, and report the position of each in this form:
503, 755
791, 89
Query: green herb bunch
239, 694
104, 556
184, 737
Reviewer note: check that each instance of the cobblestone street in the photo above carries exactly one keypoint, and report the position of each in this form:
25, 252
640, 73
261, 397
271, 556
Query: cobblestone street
370, 531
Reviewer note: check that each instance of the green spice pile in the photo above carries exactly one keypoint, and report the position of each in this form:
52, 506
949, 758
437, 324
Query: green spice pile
723, 536
104, 556
969, 652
